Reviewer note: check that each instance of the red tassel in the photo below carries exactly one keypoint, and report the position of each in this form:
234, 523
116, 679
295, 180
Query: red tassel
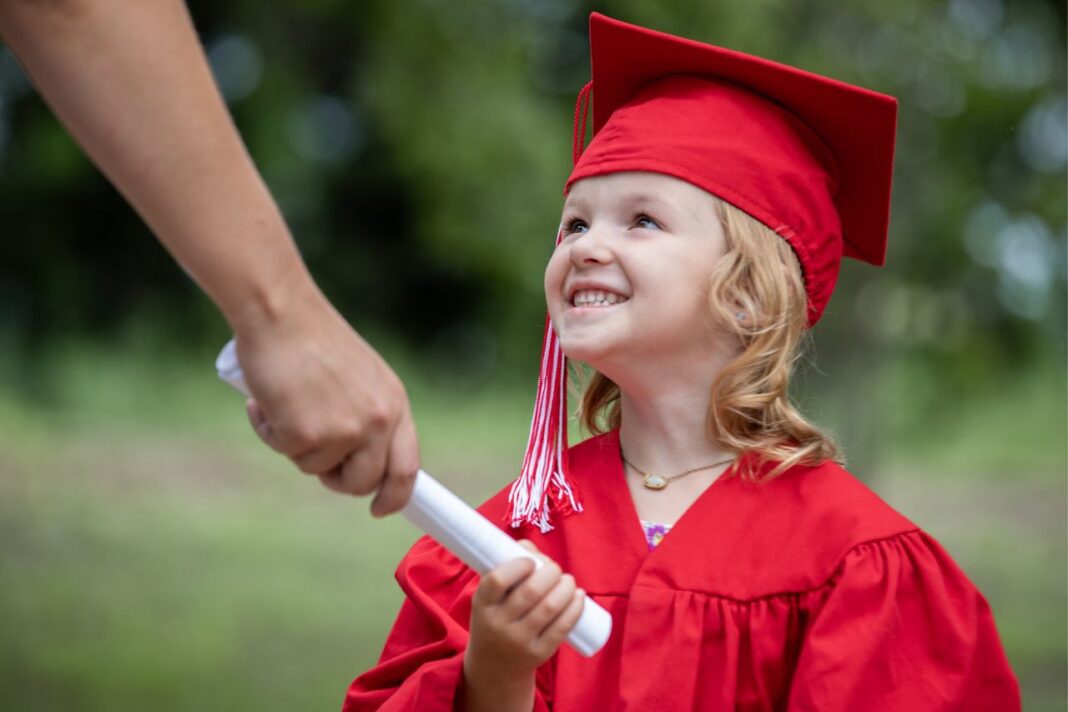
543, 486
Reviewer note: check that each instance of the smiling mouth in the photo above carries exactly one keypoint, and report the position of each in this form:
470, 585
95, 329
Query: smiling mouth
596, 298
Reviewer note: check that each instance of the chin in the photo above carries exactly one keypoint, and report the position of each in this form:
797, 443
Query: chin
596, 354
580, 350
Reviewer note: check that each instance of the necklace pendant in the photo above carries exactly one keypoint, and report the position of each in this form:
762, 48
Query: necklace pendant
654, 482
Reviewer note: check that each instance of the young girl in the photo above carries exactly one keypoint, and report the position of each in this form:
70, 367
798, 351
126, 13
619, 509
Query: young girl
743, 567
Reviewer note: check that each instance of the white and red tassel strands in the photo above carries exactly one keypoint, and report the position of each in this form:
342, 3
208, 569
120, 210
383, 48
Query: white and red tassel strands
543, 486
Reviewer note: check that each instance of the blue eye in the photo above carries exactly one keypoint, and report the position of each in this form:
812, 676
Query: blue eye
575, 226
644, 221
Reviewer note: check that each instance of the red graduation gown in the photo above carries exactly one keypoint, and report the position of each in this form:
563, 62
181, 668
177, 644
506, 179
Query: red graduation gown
805, 593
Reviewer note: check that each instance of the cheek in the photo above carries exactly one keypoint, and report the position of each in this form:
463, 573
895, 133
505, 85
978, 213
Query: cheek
555, 273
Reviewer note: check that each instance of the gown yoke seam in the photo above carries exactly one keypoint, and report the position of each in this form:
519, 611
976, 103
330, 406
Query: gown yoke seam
829, 581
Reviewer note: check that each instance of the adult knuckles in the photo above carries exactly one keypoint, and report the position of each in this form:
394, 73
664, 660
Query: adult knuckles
351, 429
369, 416
295, 437
378, 415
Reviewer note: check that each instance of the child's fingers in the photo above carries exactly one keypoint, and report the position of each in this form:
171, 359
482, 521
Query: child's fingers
549, 606
529, 546
496, 584
532, 591
557, 629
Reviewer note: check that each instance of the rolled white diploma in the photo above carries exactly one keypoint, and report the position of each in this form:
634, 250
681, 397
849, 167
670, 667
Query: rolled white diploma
455, 525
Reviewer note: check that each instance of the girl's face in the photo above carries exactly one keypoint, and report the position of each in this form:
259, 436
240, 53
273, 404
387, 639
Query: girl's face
628, 285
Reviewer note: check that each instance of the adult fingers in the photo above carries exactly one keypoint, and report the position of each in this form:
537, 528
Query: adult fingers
258, 420
362, 471
332, 480
352, 444
277, 441
322, 459
402, 464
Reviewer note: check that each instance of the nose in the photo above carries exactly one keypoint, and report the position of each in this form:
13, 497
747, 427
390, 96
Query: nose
591, 248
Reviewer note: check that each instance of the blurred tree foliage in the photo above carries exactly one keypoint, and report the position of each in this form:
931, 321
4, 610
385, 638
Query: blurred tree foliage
418, 149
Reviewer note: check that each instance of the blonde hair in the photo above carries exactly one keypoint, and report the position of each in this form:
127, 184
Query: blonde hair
749, 405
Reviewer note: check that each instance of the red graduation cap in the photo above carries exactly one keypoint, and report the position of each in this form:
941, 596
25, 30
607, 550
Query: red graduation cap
808, 156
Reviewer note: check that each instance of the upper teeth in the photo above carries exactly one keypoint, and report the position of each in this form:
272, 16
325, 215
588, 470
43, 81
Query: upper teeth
587, 297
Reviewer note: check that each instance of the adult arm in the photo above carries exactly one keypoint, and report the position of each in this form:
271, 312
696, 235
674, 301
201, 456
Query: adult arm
130, 82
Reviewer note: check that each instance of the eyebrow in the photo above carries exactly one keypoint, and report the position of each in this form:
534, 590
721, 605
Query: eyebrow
640, 198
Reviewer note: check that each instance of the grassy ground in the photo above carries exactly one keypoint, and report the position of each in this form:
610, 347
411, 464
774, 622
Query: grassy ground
156, 556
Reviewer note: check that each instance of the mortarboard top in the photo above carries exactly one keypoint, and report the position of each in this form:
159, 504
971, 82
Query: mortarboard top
857, 125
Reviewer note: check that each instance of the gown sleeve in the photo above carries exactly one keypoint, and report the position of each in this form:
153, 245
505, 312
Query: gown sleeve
903, 629
421, 666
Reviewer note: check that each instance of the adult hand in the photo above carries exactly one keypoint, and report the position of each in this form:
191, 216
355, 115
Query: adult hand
121, 75
324, 398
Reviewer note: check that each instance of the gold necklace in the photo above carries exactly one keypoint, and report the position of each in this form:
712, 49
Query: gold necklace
659, 482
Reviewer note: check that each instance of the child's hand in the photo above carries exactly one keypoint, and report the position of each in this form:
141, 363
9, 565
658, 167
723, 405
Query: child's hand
520, 616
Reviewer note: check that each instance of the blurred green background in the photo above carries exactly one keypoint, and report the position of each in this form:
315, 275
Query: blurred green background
155, 555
